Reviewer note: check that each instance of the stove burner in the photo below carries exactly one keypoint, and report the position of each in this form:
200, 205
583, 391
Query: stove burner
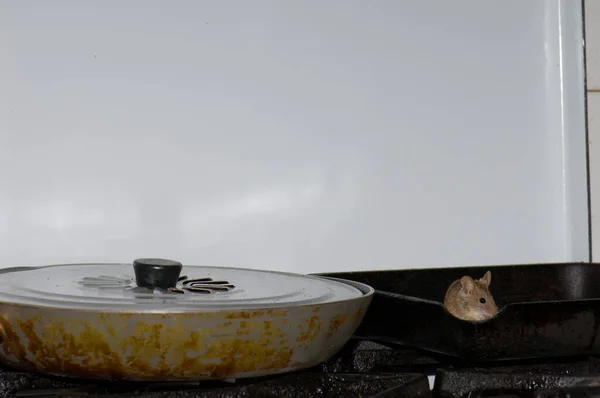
297, 385
521, 380
362, 368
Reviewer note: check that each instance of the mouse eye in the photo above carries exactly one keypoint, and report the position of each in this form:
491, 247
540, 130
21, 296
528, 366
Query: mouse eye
482, 300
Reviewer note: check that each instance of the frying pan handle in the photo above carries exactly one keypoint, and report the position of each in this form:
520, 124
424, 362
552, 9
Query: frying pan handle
156, 272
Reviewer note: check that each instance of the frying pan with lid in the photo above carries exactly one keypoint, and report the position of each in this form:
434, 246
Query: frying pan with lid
159, 320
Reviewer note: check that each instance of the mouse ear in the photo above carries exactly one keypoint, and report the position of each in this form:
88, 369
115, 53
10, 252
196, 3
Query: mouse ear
487, 279
467, 284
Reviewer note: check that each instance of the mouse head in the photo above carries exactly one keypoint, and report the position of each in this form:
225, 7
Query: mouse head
477, 296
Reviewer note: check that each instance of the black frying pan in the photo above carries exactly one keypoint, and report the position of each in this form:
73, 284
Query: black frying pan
545, 310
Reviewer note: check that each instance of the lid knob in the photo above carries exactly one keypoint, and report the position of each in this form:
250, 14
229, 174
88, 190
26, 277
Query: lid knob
156, 272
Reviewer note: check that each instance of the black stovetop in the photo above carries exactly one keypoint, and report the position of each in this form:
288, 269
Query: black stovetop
362, 369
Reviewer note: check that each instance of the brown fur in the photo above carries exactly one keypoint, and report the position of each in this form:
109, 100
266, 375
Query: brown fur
464, 296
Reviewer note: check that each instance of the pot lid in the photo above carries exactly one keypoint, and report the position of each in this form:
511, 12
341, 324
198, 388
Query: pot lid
158, 285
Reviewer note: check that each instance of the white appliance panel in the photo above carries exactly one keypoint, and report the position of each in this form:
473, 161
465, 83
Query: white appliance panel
299, 136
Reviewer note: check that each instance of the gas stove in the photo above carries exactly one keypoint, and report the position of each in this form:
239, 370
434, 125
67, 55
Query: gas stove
380, 360
363, 368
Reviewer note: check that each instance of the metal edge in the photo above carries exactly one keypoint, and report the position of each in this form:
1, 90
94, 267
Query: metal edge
474, 267
587, 130
15, 269
574, 130
365, 289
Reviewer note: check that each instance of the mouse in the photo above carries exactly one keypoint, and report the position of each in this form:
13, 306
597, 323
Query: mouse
470, 299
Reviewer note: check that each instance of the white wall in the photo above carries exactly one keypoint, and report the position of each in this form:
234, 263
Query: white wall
305, 136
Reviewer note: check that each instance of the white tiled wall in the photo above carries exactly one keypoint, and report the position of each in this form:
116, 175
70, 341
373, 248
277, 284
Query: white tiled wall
592, 33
